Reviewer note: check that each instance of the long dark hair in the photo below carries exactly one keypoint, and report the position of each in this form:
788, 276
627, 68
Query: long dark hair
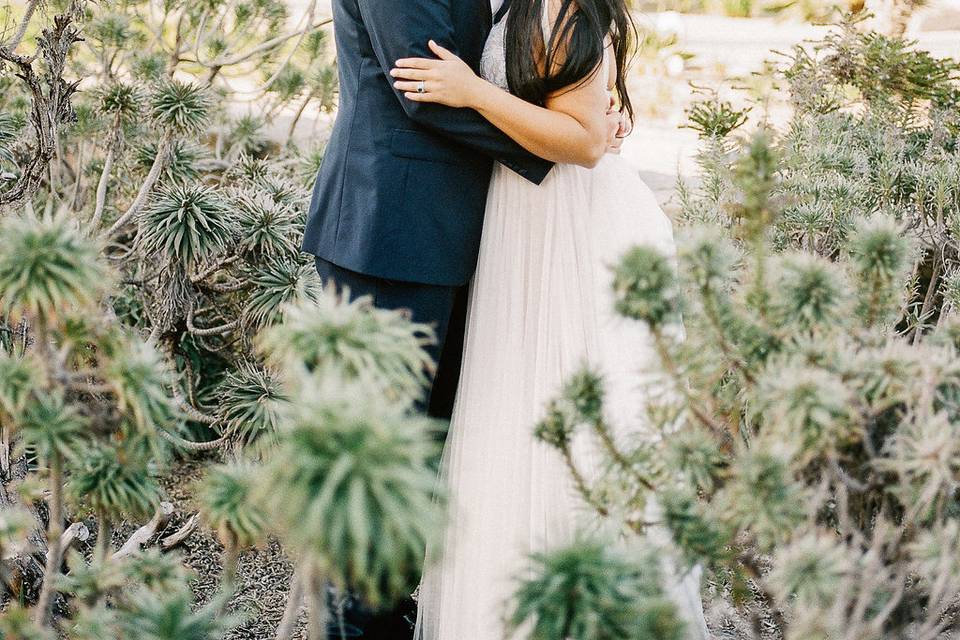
537, 69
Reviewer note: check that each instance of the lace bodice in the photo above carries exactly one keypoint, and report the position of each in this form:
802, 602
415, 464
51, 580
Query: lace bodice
493, 64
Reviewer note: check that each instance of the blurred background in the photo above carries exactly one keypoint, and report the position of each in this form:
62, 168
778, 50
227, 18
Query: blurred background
692, 47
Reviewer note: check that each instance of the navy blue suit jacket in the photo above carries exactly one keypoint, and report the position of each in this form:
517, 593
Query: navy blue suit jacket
402, 188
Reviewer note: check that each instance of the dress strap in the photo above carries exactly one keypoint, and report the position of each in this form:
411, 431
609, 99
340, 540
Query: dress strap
546, 23
501, 12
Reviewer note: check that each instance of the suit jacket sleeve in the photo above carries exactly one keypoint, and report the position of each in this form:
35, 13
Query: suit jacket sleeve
401, 29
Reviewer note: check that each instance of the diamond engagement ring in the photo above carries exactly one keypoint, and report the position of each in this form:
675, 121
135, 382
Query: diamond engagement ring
421, 87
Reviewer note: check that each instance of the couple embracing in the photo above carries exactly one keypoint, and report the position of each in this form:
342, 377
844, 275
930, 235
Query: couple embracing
472, 178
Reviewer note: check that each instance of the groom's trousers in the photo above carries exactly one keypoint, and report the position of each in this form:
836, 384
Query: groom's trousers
443, 307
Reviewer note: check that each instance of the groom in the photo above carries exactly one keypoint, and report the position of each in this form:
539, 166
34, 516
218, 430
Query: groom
398, 204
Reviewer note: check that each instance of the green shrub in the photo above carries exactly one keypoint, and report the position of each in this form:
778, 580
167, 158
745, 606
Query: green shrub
810, 448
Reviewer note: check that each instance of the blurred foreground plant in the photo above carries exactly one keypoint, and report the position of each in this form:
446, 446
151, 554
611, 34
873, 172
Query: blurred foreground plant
810, 444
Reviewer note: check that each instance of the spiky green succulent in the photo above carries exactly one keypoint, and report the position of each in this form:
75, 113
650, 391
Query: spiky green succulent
121, 100
18, 377
89, 121
888, 373
267, 227
925, 455
187, 224
755, 172
228, 507
10, 127
157, 571
557, 426
762, 498
696, 455
589, 591
148, 65
880, 253
247, 135
47, 267
289, 83
699, 537
935, 551
810, 570
709, 259
809, 292
182, 162
140, 378
805, 409
90, 581
309, 164
360, 497
111, 29
172, 616
94, 623
645, 284
51, 425
180, 107
360, 341
251, 401
278, 284
115, 481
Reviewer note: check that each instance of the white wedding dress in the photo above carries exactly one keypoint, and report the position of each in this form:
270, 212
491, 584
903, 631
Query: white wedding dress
540, 307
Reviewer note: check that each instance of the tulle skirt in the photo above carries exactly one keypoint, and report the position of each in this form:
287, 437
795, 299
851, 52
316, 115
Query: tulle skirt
541, 306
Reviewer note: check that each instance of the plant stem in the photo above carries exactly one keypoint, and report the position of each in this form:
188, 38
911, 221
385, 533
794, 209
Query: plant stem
318, 606
104, 536
102, 192
4, 449
298, 115
12, 44
674, 372
54, 534
292, 611
231, 558
580, 483
78, 179
158, 163
602, 430
932, 289
760, 275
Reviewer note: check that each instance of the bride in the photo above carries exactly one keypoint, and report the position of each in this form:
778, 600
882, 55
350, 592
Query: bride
541, 302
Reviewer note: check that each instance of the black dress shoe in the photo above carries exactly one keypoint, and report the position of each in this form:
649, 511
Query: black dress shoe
348, 615
353, 618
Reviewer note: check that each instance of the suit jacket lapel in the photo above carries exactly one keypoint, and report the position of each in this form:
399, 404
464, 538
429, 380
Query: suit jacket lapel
487, 13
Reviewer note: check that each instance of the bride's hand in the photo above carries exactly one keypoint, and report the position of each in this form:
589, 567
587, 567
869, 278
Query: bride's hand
448, 80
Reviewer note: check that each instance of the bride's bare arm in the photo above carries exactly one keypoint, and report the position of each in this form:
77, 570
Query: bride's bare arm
574, 127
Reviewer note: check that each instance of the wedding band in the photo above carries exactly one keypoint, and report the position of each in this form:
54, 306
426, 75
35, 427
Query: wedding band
422, 87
